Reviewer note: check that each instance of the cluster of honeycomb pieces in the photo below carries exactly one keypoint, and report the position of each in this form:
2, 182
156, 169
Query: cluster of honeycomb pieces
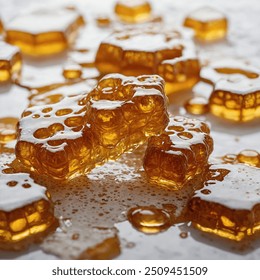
10, 62
179, 153
228, 204
72, 136
45, 31
170, 54
208, 23
26, 210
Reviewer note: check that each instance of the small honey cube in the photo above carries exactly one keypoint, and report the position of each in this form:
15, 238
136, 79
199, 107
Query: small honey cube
26, 211
179, 153
236, 99
72, 136
10, 62
45, 31
7, 129
228, 204
170, 54
208, 23
133, 11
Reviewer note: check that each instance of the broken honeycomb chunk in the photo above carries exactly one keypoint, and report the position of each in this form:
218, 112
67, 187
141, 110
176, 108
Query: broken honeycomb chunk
7, 129
179, 153
10, 62
171, 54
228, 204
45, 31
26, 211
133, 11
72, 136
236, 99
208, 23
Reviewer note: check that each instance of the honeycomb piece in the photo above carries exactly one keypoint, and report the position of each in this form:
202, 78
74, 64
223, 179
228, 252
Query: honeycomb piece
197, 105
44, 32
171, 54
7, 129
56, 95
10, 62
182, 72
236, 99
1, 27
72, 136
26, 211
228, 204
133, 11
179, 153
208, 23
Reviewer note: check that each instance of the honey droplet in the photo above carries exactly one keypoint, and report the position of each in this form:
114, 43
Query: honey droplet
12, 183
149, 220
184, 234
197, 105
249, 157
72, 72
75, 236
229, 158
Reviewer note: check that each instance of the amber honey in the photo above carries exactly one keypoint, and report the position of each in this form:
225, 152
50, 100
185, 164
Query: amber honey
133, 11
228, 204
1, 27
149, 220
208, 24
179, 153
26, 211
82, 131
171, 54
10, 62
8, 129
44, 32
197, 105
72, 72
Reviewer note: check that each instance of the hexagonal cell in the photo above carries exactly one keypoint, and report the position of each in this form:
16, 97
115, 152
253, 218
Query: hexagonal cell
208, 23
45, 31
228, 204
10, 62
179, 153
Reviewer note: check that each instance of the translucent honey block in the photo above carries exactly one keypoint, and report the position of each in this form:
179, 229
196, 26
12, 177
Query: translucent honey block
171, 54
228, 204
236, 99
1, 27
44, 32
133, 11
228, 68
56, 95
180, 73
208, 23
26, 211
197, 105
10, 62
72, 136
179, 153
8, 129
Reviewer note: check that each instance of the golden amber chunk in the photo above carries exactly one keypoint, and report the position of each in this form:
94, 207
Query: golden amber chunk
133, 11
7, 129
1, 27
72, 72
228, 204
208, 23
170, 54
249, 157
26, 212
72, 136
179, 153
45, 31
197, 105
10, 62
236, 99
